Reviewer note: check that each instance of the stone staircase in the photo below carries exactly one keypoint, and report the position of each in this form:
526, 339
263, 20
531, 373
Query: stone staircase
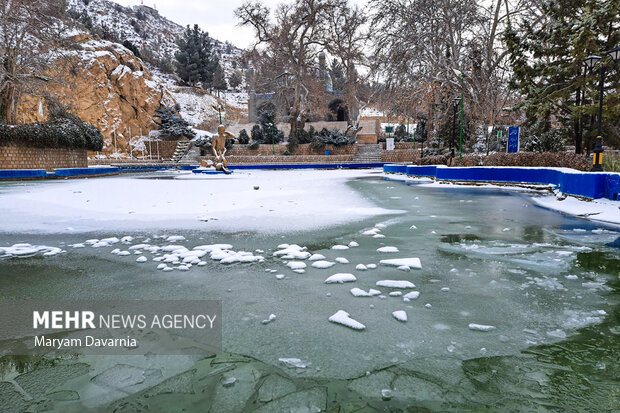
368, 153
180, 151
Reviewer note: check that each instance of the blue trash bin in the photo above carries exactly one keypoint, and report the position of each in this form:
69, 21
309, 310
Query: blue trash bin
327, 152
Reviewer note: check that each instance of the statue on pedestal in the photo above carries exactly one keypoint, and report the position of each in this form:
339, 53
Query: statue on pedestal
218, 143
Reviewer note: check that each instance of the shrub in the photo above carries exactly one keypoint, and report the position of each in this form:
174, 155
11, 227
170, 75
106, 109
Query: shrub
243, 137
257, 134
293, 143
317, 145
254, 145
301, 136
286, 152
527, 159
62, 130
171, 125
335, 138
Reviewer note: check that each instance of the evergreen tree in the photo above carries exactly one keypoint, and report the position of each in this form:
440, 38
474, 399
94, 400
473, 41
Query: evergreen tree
234, 80
133, 48
171, 125
195, 61
546, 56
337, 75
219, 80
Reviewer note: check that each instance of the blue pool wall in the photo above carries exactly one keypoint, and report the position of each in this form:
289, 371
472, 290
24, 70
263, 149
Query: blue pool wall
586, 184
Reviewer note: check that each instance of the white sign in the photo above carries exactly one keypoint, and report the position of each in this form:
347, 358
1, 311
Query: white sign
389, 144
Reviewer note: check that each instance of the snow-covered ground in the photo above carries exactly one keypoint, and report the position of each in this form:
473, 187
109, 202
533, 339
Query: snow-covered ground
284, 201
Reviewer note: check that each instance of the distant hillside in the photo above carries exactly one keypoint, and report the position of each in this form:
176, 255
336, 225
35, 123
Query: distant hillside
154, 35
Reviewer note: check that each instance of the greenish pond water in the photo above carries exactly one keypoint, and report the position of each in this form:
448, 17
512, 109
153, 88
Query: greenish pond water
548, 283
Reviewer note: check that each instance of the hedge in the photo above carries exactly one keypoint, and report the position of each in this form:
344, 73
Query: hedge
541, 159
60, 133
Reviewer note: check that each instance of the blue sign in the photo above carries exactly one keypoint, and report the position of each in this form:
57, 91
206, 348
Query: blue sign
513, 139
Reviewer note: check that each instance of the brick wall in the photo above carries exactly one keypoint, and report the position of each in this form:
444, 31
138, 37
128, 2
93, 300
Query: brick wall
21, 157
166, 149
284, 159
266, 150
400, 155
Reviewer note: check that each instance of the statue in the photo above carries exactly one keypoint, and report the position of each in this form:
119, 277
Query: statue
218, 143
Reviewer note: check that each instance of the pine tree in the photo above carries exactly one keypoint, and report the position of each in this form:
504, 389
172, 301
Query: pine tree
219, 80
234, 80
195, 61
171, 125
547, 55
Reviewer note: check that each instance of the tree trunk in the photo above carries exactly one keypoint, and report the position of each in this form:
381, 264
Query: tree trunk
577, 123
8, 105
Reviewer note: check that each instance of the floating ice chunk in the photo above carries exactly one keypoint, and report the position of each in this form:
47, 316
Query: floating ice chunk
342, 317
175, 238
387, 249
127, 239
361, 267
293, 363
507, 229
340, 278
115, 251
386, 394
124, 253
300, 271
161, 266
445, 289
404, 268
395, 284
139, 247
91, 241
413, 227
453, 270
296, 265
342, 260
549, 283
379, 236
396, 293
141, 258
412, 295
579, 230
269, 319
371, 232
400, 315
111, 240
397, 262
79, 245
293, 252
371, 266
380, 225
340, 247
241, 256
100, 244
172, 248
279, 276
28, 250
358, 292
213, 247
571, 277
353, 244
556, 333
316, 257
166, 269
283, 246
480, 327
428, 305
323, 264
183, 268
229, 382
593, 285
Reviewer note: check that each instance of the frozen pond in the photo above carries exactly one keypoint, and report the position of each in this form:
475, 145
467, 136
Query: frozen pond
514, 306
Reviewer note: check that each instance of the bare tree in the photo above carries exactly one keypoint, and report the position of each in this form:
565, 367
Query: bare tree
30, 33
294, 37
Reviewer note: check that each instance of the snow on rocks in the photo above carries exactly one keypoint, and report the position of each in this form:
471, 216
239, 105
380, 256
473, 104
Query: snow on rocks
175, 238
361, 267
480, 327
358, 292
342, 260
371, 232
404, 268
141, 258
242, 256
371, 266
296, 265
127, 239
353, 244
398, 262
279, 276
340, 278
400, 315
27, 250
387, 249
339, 247
323, 264
395, 284
342, 317
396, 293
316, 257
379, 236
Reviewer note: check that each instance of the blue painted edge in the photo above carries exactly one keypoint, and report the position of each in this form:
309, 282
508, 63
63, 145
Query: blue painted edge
208, 172
585, 184
73, 172
310, 166
22, 173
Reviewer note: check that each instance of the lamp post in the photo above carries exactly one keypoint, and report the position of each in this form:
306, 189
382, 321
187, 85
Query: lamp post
591, 62
455, 107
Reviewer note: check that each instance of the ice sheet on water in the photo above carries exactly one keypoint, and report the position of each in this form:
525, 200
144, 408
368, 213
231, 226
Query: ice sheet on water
293, 362
342, 317
358, 292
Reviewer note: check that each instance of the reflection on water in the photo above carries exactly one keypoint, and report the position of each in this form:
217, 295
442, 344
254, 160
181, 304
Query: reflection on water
488, 257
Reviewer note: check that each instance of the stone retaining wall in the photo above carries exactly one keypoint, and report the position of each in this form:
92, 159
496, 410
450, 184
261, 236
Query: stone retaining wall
283, 159
22, 157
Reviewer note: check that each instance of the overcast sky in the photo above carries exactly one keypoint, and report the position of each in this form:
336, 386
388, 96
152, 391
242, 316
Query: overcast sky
214, 16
